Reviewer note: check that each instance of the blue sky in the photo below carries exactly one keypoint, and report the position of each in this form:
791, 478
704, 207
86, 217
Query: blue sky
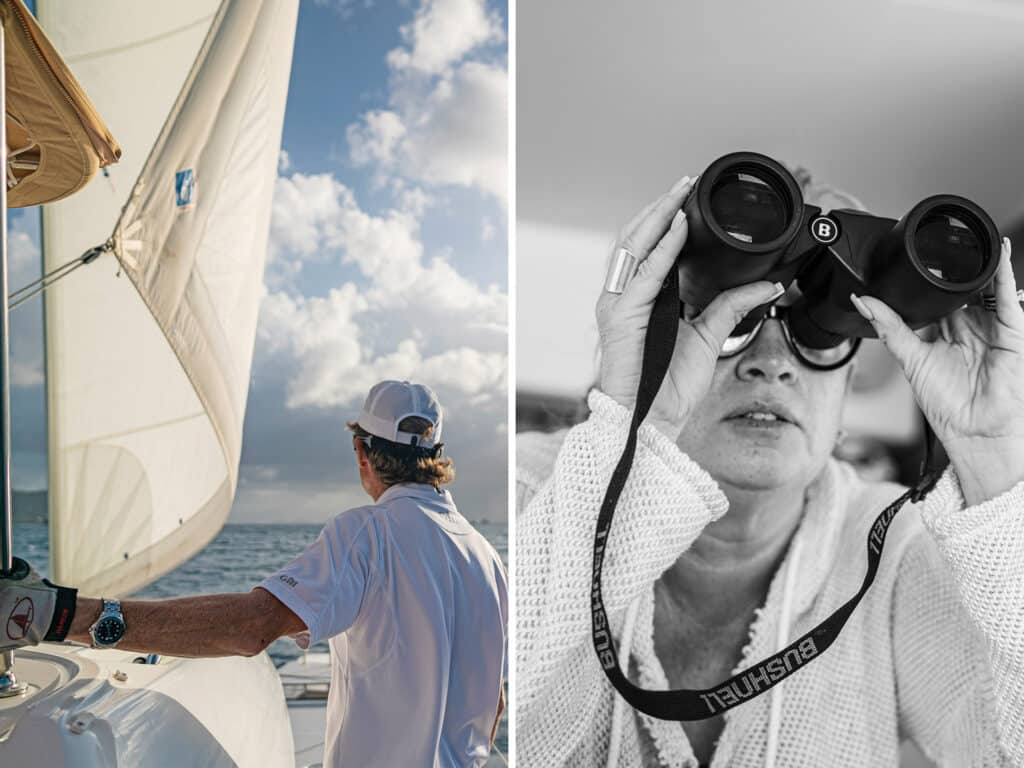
387, 257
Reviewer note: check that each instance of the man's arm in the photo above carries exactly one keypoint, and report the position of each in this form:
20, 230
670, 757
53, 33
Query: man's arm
240, 624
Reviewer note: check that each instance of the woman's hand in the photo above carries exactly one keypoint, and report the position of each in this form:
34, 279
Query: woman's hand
655, 237
969, 382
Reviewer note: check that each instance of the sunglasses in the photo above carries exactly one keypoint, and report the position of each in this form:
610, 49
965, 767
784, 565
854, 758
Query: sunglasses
827, 359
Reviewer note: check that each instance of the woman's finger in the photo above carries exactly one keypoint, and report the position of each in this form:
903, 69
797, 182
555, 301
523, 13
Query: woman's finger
1008, 309
658, 220
652, 270
635, 221
722, 315
629, 238
650, 275
630, 228
904, 344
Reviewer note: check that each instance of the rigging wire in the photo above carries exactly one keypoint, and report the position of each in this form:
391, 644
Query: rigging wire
39, 285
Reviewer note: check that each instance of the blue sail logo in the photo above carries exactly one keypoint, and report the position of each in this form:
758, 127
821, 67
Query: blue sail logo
185, 188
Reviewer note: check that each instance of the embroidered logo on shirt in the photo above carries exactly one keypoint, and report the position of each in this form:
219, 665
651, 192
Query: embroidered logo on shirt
289, 580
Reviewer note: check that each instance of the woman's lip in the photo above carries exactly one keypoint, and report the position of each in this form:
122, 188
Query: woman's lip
754, 428
780, 413
767, 422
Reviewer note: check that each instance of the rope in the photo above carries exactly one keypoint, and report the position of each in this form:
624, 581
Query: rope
26, 292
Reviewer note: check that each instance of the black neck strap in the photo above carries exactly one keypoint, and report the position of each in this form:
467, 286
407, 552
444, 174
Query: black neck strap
684, 704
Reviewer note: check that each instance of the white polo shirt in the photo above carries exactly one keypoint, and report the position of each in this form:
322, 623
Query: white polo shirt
415, 604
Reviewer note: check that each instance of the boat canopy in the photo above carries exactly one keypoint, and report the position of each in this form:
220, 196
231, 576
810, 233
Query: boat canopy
56, 140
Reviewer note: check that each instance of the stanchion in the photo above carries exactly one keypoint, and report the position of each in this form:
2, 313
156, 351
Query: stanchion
9, 685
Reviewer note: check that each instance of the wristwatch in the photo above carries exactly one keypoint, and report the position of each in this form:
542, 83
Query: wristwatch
108, 629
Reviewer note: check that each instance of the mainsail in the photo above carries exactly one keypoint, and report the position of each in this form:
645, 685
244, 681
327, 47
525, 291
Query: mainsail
149, 348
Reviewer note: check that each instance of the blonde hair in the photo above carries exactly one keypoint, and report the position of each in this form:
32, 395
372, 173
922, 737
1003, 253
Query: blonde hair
393, 469
822, 195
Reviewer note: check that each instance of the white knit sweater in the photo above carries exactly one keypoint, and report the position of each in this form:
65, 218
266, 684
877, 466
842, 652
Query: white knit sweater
934, 652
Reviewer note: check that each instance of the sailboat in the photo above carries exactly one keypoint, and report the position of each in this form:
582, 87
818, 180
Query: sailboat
150, 313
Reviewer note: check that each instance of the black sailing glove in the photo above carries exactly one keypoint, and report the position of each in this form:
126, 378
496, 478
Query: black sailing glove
31, 608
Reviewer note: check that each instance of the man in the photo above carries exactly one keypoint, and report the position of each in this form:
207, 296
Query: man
411, 597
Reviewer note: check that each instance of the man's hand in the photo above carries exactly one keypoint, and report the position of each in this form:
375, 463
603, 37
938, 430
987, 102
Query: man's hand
31, 608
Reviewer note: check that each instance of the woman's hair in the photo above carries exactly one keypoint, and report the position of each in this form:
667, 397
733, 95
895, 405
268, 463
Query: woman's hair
392, 469
822, 195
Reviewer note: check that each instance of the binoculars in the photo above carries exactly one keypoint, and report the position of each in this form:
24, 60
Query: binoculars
748, 222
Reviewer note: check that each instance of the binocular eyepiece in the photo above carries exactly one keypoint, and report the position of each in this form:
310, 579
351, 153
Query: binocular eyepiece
748, 222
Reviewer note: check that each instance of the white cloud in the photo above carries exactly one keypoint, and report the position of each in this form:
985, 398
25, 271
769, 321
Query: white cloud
26, 373
26, 321
315, 215
442, 32
454, 133
304, 209
375, 138
413, 200
447, 116
412, 317
398, 309
284, 162
345, 9
461, 136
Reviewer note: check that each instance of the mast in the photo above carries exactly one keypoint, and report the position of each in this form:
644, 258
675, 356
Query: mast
9, 685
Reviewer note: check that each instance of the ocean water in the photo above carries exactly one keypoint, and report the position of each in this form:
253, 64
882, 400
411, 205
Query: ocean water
235, 561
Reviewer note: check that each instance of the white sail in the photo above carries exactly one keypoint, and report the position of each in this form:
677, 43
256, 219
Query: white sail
148, 360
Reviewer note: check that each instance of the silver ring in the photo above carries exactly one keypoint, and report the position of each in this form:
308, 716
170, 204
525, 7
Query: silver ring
621, 271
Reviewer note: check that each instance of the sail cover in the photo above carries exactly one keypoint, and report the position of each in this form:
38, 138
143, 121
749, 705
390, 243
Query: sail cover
47, 113
149, 347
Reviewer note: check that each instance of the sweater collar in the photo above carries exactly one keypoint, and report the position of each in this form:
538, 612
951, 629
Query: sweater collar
821, 532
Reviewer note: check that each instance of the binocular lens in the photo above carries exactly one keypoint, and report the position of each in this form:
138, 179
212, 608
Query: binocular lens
949, 248
748, 207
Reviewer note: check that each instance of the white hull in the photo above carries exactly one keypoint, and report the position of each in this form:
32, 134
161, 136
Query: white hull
88, 708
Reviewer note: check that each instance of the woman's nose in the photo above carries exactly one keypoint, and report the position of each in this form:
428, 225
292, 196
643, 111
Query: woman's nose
768, 358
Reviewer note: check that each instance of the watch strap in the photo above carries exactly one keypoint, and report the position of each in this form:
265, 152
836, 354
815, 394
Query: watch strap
111, 609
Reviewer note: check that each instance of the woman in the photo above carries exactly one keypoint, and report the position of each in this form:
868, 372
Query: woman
733, 503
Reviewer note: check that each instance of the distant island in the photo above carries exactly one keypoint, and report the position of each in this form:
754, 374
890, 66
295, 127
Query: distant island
30, 507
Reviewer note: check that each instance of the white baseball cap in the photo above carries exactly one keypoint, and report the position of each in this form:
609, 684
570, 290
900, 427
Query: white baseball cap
389, 402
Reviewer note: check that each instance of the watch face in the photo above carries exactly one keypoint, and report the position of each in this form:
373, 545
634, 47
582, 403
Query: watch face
109, 630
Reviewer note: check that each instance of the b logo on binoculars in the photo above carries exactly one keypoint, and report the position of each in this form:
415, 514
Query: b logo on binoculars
825, 230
